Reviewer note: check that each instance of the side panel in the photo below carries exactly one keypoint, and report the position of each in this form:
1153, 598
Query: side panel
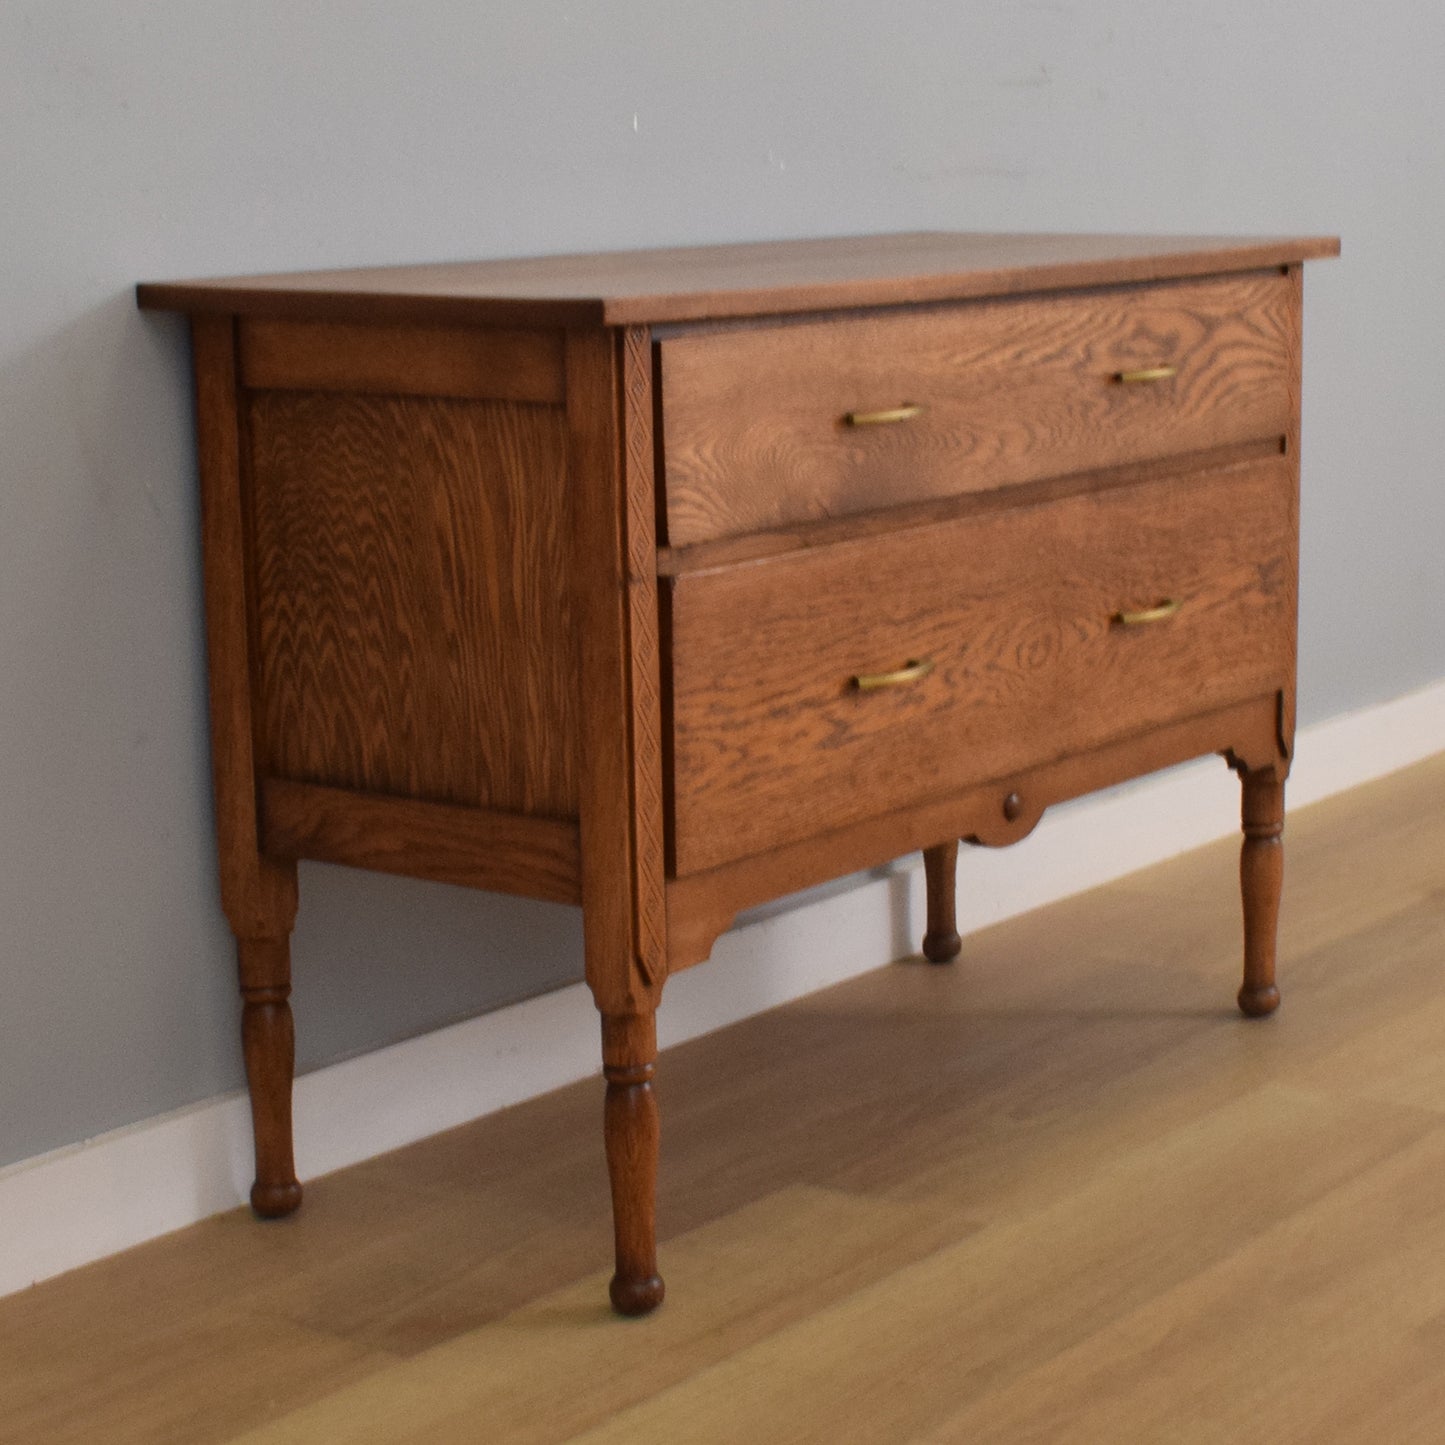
415, 634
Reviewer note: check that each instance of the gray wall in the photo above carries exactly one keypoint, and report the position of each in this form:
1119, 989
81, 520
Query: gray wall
189, 137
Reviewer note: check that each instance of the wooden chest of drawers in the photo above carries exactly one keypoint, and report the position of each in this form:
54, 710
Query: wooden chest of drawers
669, 582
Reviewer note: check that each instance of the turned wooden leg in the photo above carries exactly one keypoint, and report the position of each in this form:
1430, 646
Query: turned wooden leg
940, 870
629, 1051
1261, 875
269, 1041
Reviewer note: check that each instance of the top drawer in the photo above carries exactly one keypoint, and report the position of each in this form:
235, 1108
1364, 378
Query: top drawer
755, 422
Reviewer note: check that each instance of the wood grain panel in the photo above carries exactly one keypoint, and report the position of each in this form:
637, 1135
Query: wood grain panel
414, 636
475, 847
804, 536
1011, 391
773, 744
496, 364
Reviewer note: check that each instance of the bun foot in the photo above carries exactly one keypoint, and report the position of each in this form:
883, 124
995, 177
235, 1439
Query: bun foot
636, 1296
942, 947
275, 1201
1257, 1002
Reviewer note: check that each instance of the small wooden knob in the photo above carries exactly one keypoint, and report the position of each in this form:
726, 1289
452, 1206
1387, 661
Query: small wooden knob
1013, 805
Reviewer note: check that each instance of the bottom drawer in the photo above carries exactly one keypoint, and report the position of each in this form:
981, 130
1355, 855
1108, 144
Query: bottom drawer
1018, 635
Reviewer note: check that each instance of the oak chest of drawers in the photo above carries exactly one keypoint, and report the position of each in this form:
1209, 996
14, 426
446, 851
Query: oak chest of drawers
666, 583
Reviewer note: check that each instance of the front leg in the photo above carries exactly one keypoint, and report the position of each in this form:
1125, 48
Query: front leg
629, 1053
1261, 877
621, 814
258, 892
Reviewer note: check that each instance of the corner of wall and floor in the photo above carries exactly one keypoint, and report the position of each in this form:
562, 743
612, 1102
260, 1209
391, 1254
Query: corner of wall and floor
81, 1203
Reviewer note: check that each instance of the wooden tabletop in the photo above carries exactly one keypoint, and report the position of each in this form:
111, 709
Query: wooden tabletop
756, 279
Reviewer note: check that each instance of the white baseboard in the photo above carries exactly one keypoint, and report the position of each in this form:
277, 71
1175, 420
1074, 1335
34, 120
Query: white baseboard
89, 1200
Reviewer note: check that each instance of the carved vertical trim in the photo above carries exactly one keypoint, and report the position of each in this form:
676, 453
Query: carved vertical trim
1295, 275
649, 895
609, 411
258, 894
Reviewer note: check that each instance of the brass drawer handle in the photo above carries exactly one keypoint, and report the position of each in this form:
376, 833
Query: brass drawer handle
911, 671
906, 412
1158, 613
1148, 373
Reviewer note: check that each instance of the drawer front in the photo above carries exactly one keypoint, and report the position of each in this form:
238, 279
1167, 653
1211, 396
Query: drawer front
1018, 613
1009, 391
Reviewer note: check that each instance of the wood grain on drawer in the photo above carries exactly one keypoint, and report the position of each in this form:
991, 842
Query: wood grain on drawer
1016, 610
1011, 391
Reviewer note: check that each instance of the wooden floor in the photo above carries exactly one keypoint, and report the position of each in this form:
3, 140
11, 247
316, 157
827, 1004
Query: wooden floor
1057, 1192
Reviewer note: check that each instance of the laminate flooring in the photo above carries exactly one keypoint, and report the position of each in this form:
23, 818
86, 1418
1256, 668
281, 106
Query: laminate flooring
1058, 1191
